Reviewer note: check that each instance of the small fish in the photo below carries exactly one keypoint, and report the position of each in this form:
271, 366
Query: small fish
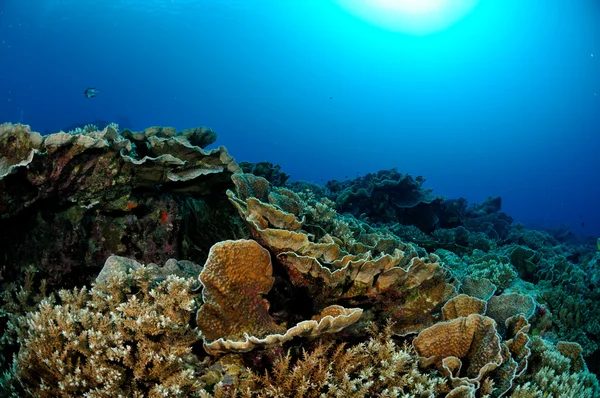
90, 92
163, 216
582, 224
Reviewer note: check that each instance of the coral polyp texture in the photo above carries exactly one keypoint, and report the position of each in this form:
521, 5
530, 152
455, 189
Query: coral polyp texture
213, 280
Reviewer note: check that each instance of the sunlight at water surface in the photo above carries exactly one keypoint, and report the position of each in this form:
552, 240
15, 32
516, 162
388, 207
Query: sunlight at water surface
417, 17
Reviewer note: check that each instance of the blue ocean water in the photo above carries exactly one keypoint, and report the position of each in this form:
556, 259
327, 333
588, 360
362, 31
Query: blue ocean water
505, 102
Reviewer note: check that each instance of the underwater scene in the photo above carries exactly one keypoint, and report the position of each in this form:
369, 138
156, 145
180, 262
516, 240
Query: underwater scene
299, 198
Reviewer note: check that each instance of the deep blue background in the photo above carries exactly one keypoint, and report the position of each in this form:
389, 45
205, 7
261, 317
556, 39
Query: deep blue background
506, 102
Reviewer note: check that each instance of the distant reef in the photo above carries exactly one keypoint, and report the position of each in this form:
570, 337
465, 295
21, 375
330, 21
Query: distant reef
141, 264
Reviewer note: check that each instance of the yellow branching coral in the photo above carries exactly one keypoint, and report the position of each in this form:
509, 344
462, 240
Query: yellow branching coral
127, 336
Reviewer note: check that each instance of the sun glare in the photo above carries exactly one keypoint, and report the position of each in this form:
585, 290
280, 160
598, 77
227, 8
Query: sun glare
417, 17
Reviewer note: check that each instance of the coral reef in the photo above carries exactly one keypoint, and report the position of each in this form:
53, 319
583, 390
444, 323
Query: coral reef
393, 282
389, 195
367, 287
267, 170
78, 198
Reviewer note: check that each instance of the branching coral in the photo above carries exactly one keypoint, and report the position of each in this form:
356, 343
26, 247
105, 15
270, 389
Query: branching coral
127, 336
378, 367
553, 374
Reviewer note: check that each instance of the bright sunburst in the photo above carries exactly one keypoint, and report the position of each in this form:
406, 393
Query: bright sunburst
418, 17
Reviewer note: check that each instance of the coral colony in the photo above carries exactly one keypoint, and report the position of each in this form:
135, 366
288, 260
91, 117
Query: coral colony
139, 264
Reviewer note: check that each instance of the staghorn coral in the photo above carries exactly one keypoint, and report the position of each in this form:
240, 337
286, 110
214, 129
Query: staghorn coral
16, 301
548, 383
128, 335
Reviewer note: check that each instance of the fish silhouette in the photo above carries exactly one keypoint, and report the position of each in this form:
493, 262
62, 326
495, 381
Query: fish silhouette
90, 92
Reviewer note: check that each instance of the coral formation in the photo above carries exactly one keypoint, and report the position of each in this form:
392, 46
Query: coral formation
409, 289
472, 340
234, 316
389, 195
306, 290
377, 367
267, 170
77, 198
129, 335
463, 305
